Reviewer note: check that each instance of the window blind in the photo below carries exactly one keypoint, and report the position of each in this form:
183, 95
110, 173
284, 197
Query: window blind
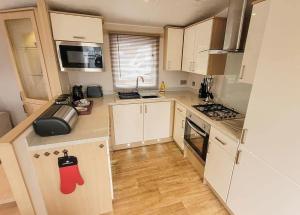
133, 56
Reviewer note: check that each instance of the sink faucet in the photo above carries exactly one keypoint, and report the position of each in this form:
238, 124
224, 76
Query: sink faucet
137, 82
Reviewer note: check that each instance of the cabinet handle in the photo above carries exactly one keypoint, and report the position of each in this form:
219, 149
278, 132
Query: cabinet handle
242, 72
79, 37
146, 109
56, 152
101, 146
179, 110
36, 155
182, 123
220, 141
237, 158
243, 137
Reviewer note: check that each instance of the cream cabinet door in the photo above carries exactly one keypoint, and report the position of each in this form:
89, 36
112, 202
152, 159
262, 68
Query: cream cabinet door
201, 63
218, 169
188, 49
254, 41
173, 48
157, 120
79, 28
93, 197
203, 33
128, 123
179, 126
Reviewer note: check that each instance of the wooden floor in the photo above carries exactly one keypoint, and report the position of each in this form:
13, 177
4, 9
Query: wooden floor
158, 180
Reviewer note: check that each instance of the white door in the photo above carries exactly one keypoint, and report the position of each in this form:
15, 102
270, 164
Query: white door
203, 33
178, 133
188, 49
128, 123
254, 40
174, 37
157, 120
218, 169
273, 116
256, 188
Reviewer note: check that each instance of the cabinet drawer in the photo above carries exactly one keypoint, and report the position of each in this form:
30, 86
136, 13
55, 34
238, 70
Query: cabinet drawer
228, 144
180, 109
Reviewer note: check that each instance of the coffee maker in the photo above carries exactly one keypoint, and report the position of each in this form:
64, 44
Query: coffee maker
77, 92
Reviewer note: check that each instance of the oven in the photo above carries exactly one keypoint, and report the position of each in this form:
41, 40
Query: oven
87, 57
196, 136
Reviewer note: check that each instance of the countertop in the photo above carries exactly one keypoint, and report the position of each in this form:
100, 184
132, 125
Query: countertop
95, 126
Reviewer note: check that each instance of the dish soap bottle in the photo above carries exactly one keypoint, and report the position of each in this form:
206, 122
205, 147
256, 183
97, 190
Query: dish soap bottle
162, 87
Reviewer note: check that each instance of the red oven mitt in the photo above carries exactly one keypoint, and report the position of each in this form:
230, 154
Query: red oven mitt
69, 174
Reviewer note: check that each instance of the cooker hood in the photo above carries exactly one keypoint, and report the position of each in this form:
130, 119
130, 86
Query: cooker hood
238, 18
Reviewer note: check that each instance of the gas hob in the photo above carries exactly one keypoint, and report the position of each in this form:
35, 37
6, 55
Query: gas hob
218, 112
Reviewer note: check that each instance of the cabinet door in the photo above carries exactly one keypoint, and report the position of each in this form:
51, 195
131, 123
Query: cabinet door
218, 169
128, 123
76, 28
25, 49
157, 120
254, 40
256, 188
173, 48
203, 33
93, 197
178, 132
201, 63
188, 49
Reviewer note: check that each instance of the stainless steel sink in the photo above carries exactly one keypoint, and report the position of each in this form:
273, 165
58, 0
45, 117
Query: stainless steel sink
150, 96
129, 95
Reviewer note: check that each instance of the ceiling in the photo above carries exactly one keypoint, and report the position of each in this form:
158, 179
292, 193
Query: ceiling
140, 12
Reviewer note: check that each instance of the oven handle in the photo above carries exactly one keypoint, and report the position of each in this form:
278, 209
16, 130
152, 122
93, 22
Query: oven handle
195, 128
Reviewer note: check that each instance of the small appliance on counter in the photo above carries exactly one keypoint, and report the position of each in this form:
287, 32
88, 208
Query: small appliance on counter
77, 92
94, 91
64, 99
57, 120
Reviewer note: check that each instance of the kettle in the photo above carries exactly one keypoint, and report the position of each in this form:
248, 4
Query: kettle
77, 92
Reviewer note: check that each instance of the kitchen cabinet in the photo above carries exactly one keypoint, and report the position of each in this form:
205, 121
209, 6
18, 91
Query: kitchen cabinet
136, 123
76, 27
199, 39
128, 123
254, 41
267, 178
22, 37
93, 197
157, 120
220, 162
179, 125
173, 42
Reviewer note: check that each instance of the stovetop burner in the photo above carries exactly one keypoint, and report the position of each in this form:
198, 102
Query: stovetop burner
218, 111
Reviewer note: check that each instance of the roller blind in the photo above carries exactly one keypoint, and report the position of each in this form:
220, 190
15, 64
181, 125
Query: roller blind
133, 56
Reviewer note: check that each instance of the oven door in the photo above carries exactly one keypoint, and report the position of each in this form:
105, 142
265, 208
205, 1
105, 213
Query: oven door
196, 139
80, 56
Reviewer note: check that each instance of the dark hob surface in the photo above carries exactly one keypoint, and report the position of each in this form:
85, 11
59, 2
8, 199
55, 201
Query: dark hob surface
218, 111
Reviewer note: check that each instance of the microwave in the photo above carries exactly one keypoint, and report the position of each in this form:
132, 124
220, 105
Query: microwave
87, 57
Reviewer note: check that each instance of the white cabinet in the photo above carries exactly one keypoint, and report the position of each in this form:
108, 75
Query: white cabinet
254, 40
173, 41
76, 27
188, 49
256, 188
179, 125
128, 123
220, 162
157, 120
198, 40
135, 123
267, 178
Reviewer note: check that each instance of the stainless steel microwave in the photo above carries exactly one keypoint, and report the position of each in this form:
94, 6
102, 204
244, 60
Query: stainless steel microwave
87, 57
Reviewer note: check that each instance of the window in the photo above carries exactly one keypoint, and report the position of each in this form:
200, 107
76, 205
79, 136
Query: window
133, 56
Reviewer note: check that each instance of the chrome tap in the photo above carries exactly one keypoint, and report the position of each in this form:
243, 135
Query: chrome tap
137, 82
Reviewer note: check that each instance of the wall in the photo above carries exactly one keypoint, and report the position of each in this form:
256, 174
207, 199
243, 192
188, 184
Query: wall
171, 78
226, 88
9, 92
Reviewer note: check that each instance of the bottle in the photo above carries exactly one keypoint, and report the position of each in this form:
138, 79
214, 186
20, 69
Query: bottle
162, 87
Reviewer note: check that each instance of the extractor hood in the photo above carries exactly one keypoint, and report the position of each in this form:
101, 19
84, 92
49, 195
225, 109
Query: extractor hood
238, 18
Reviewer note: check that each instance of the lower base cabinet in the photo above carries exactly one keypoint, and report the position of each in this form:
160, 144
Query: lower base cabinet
179, 125
93, 197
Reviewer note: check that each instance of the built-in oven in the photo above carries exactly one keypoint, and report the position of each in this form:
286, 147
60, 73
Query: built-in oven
87, 57
196, 136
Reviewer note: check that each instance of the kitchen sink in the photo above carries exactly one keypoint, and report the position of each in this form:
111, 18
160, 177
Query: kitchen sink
129, 95
150, 96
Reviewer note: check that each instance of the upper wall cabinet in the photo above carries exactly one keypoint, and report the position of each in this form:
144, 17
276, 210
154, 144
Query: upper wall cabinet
254, 40
199, 39
173, 42
76, 27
